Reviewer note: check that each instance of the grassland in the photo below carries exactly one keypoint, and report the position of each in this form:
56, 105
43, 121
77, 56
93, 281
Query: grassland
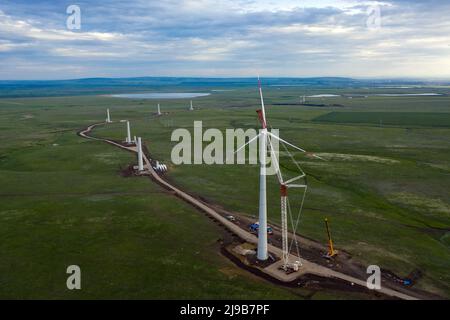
63, 202
385, 190
428, 119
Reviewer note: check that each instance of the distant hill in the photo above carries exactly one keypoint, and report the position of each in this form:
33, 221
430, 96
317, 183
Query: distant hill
92, 86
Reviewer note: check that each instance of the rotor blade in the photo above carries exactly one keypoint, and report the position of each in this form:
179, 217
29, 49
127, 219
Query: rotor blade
294, 179
295, 147
262, 101
284, 141
249, 141
241, 147
297, 186
316, 156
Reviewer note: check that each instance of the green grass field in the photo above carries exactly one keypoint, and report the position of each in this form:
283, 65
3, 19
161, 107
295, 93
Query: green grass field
429, 119
63, 200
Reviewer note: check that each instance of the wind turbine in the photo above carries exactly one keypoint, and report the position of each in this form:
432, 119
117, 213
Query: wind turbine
139, 155
128, 132
191, 107
159, 110
128, 137
265, 138
108, 118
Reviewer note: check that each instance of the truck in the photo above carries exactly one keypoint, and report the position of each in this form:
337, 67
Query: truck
255, 226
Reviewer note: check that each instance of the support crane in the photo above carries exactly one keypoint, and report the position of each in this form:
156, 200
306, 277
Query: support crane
331, 252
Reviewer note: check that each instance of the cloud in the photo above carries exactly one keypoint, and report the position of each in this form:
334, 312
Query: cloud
25, 29
225, 38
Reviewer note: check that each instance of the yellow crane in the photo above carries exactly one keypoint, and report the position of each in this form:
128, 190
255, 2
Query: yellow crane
331, 251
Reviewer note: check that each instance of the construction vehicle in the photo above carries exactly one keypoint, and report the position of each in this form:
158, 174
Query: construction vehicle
255, 226
331, 252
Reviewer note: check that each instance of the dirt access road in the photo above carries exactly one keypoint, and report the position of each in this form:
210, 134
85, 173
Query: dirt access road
272, 270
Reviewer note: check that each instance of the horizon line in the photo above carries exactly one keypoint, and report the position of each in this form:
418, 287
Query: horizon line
408, 78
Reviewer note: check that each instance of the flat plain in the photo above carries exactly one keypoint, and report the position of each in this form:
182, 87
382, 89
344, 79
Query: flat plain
64, 200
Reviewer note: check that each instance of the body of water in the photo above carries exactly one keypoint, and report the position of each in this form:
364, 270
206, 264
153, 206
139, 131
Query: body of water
324, 96
161, 95
407, 94
379, 95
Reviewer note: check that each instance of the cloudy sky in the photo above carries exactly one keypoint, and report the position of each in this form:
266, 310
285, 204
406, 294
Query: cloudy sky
300, 38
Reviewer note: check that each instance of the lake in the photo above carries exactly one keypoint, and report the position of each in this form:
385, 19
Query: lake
161, 95
324, 96
379, 95
407, 94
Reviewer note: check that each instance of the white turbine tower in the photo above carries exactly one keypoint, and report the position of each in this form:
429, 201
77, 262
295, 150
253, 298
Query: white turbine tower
191, 108
139, 154
262, 230
265, 139
128, 132
108, 118
159, 110
128, 137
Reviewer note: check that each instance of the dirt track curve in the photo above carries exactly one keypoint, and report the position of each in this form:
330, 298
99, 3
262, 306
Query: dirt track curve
272, 270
